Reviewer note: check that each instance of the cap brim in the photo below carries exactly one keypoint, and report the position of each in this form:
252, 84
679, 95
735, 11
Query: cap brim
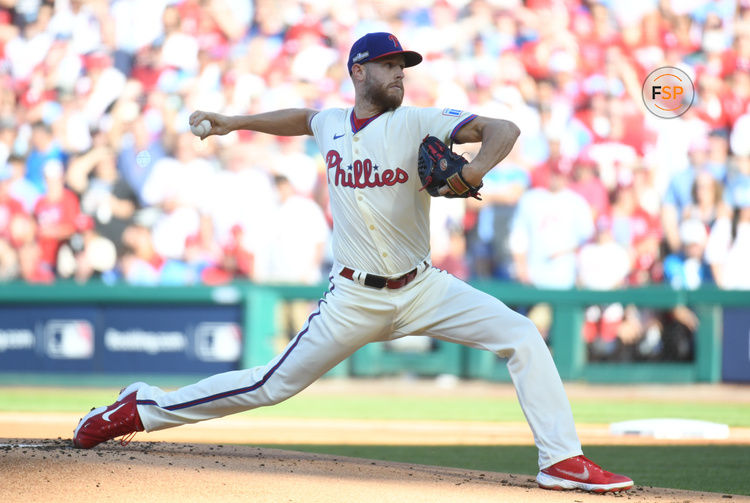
411, 58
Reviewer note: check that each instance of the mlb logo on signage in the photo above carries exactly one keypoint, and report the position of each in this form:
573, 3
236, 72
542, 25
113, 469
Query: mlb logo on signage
69, 339
218, 342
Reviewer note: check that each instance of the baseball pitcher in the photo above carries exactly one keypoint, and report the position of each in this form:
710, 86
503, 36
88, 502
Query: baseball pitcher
384, 164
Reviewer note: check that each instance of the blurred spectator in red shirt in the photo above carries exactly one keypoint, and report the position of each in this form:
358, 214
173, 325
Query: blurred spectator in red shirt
55, 213
33, 268
454, 259
637, 230
711, 94
10, 208
237, 258
587, 183
555, 163
147, 67
205, 256
737, 98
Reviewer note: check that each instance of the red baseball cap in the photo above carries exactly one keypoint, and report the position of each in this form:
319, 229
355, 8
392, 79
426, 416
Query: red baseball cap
378, 45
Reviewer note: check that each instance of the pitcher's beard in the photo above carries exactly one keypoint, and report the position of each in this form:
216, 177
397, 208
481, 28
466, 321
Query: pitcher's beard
382, 99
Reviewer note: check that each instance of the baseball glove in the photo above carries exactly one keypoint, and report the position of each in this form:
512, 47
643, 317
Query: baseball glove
439, 166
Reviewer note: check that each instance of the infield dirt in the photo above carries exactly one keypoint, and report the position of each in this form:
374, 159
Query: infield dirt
53, 471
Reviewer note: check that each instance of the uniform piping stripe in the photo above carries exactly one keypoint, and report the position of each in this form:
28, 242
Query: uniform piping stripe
255, 386
462, 124
354, 126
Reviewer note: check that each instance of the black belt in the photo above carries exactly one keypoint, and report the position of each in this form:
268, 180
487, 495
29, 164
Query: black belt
374, 281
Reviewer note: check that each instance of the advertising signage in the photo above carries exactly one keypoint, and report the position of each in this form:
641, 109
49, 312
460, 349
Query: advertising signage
122, 339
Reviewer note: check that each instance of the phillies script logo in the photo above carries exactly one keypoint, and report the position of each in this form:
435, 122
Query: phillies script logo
363, 174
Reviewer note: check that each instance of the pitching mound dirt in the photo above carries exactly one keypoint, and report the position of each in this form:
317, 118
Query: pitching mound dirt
53, 471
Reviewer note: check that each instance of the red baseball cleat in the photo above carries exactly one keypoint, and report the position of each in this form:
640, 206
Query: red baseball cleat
581, 473
104, 423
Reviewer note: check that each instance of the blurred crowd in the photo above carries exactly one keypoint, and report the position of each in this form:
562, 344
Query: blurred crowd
101, 178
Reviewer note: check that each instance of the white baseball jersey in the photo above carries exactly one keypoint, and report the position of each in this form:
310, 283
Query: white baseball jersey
381, 227
381, 220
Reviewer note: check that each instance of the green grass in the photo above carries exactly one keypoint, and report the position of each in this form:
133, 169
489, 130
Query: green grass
456, 408
713, 468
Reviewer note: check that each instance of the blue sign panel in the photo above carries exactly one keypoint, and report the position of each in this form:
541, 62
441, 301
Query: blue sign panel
47, 338
153, 339
736, 350
176, 339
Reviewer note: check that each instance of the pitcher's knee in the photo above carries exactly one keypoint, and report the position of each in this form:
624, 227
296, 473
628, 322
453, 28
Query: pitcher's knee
525, 331
524, 338
277, 394
506, 339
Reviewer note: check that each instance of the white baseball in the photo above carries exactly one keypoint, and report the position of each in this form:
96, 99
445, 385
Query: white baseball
202, 128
